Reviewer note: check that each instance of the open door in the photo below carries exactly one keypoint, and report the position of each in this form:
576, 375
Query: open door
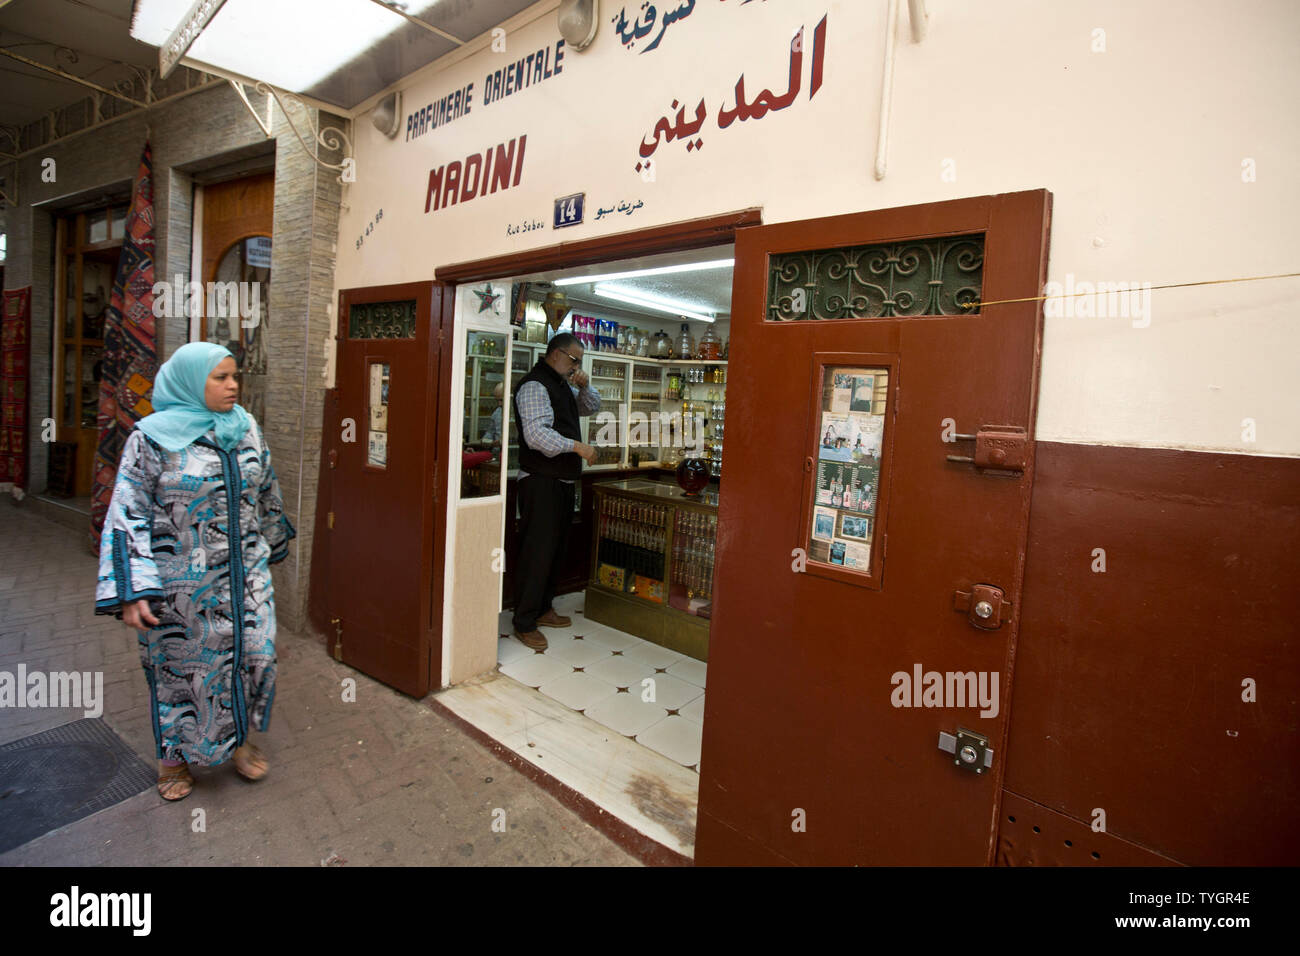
385, 512
872, 528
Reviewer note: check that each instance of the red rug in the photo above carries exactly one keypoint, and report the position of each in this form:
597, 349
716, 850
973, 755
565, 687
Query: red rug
130, 358
15, 384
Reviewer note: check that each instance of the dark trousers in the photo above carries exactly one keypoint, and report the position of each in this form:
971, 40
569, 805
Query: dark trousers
546, 512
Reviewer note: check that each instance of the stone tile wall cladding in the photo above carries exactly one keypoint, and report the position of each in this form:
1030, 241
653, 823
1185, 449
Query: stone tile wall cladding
209, 122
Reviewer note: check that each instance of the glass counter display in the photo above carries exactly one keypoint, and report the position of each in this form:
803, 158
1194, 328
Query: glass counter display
652, 569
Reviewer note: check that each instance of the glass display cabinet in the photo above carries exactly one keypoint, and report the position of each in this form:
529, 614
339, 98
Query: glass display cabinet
652, 569
485, 386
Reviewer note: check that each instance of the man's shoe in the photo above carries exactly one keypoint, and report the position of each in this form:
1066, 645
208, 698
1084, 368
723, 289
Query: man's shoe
551, 619
534, 639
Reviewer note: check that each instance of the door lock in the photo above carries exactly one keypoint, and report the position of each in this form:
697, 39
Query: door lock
997, 448
986, 607
971, 750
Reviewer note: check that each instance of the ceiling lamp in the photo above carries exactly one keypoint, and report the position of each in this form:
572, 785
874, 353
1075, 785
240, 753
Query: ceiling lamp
658, 271
648, 301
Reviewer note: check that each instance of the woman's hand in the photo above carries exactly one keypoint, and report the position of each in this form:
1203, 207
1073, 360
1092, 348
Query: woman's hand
138, 616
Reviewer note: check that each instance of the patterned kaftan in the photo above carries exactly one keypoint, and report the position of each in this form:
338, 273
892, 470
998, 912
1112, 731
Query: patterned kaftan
168, 537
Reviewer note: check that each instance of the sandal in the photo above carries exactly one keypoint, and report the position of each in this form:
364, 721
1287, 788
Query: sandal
175, 783
250, 762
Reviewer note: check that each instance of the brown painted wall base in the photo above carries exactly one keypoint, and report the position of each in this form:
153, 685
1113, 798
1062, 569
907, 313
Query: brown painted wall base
1129, 683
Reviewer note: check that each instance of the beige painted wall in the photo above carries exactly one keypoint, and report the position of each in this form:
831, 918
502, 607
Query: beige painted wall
1142, 145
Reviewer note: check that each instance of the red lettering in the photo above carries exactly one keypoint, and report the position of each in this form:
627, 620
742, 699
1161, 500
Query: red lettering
468, 189
434, 195
501, 176
451, 188
519, 164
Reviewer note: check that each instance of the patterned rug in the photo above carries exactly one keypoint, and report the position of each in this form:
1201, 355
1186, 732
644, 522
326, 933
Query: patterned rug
15, 370
130, 358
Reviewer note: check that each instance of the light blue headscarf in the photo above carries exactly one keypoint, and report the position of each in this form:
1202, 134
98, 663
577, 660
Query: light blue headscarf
180, 412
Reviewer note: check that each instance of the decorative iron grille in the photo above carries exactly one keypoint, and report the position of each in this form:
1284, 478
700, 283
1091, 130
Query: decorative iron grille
382, 320
916, 277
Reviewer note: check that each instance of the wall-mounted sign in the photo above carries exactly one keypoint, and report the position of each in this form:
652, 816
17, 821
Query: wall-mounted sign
257, 252
568, 210
461, 181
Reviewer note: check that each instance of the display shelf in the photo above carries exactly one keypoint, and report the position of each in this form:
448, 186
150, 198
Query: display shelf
652, 571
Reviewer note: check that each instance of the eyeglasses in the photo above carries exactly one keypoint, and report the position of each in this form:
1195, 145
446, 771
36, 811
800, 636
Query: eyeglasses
572, 358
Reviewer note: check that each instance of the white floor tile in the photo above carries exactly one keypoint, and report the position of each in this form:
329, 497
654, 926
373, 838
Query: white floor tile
568, 603
603, 634
621, 672
694, 711
536, 670
690, 670
509, 650
574, 652
676, 738
671, 693
578, 691
655, 655
626, 713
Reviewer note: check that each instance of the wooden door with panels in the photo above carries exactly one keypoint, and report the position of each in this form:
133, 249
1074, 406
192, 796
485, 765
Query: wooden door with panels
871, 534
383, 503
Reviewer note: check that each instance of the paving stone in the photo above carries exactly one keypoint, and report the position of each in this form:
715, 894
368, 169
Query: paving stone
414, 794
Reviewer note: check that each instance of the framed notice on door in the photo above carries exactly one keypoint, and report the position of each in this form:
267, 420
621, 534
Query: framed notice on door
847, 466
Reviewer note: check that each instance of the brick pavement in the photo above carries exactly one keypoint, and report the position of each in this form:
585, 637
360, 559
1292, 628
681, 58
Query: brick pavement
383, 781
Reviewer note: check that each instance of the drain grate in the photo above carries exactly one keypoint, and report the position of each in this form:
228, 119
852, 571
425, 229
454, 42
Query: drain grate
58, 776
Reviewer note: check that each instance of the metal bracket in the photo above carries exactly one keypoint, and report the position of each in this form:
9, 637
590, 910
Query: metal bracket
971, 750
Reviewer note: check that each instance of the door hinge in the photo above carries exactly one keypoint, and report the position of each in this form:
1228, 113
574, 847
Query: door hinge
338, 638
329, 520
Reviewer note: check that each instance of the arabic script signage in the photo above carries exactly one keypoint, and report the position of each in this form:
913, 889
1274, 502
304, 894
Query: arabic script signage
763, 103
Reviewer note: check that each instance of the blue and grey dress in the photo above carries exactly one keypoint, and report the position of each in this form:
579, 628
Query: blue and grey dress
195, 532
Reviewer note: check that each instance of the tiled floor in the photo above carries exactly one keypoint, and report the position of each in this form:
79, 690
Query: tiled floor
636, 688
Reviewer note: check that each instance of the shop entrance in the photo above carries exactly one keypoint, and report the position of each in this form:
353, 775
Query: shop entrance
868, 547
871, 535
381, 518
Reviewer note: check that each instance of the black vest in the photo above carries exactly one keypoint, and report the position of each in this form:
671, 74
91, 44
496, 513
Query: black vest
565, 406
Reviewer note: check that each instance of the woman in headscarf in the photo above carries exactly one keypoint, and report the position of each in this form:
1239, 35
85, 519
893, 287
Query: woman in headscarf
195, 522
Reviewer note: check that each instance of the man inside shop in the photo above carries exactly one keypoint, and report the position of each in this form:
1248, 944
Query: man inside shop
547, 406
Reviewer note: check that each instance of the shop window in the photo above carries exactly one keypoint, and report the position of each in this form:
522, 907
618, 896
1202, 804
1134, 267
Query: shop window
485, 397
925, 277
382, 320
844, 506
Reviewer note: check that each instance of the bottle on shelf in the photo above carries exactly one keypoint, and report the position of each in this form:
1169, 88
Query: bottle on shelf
710, 347
685, 343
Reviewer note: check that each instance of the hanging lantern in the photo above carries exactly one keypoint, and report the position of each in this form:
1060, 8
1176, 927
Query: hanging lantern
556, 308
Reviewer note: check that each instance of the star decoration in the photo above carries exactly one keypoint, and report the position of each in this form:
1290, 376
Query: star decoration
486, 297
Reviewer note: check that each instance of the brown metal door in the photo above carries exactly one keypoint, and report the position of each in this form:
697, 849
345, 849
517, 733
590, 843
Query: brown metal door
814, 750
386, 520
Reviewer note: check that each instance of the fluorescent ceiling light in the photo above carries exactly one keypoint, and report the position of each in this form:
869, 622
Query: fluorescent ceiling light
660, 271
287, 43
648, 301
